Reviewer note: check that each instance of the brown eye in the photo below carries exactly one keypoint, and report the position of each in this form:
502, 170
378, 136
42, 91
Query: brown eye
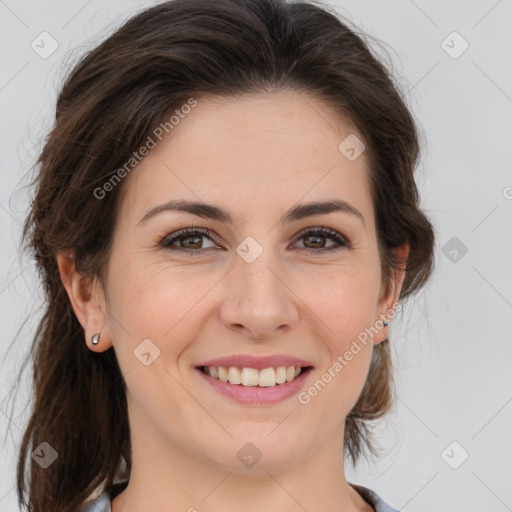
315, 240
318, 241
189, 240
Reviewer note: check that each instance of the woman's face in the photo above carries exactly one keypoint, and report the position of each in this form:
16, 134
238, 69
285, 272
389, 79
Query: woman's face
263, 284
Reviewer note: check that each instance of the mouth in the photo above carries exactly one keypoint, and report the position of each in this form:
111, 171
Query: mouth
254, 386
254, 377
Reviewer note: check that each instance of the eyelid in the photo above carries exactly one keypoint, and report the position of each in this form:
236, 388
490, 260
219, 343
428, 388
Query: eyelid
341, 240
180, 233
327, 232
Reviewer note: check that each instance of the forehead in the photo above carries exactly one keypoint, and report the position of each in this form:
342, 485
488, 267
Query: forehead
266, 149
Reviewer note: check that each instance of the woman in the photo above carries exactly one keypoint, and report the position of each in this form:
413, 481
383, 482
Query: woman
225, 221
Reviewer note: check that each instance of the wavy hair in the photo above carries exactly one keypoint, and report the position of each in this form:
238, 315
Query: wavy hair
111, 101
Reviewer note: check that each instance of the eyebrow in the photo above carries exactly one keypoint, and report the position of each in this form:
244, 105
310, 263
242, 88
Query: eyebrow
209, 211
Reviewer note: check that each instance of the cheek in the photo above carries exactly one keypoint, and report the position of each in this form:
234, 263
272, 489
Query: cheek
330, 397
345, 305
344, 300
154, 311
340, 380
161, 304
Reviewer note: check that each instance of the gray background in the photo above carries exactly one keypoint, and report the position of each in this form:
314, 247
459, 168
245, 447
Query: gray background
452, 344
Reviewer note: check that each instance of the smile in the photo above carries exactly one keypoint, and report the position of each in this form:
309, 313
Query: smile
255, 379
266, 377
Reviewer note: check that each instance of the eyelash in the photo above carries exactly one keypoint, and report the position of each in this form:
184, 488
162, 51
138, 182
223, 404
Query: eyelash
167, 242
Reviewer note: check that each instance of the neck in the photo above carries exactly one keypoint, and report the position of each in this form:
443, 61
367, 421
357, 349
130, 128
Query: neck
172, 480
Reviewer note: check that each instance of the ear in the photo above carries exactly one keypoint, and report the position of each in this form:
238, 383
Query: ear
88, 301
389, 296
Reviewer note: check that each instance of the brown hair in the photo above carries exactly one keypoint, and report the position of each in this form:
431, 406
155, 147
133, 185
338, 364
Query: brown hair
109, 104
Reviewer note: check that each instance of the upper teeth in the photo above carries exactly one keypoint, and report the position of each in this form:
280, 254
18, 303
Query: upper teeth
251, 376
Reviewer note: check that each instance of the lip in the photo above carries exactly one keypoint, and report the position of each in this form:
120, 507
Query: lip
254, 395
258, 363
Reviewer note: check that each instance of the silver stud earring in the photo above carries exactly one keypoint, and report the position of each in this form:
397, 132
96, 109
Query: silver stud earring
385, 323
95, 338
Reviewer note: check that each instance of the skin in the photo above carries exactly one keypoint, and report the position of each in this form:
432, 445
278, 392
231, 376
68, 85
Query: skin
256, 156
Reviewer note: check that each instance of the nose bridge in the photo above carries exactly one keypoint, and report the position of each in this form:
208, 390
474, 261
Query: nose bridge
259, 279
257, 296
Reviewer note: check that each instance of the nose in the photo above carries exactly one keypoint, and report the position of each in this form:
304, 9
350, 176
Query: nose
258, 301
